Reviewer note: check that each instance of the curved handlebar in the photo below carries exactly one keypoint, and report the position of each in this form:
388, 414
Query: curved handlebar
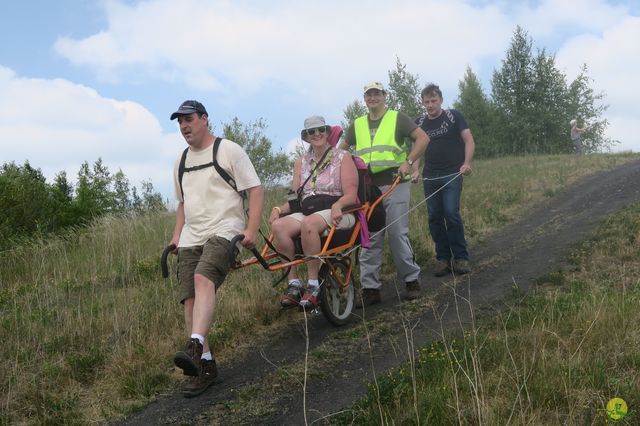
232, 249
232, 252
163, 260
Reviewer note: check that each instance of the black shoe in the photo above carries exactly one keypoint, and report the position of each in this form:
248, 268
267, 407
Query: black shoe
442, 268
461, 266
413, 290
200, 383
367, 297
189, 359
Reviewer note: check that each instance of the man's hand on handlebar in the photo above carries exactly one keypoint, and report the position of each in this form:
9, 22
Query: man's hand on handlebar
174, 242
404, 169
249, 240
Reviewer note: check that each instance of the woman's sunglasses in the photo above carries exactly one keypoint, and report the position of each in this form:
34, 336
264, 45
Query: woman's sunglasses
311, 132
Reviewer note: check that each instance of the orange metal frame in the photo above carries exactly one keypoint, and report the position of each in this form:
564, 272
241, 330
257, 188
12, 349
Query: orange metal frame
268, 254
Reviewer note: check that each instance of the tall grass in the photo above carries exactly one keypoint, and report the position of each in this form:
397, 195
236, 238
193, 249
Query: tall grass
88, 327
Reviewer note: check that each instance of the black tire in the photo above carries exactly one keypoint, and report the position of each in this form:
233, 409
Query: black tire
337, 303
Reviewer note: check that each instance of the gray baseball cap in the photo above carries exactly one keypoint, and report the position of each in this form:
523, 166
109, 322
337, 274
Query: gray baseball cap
189, 107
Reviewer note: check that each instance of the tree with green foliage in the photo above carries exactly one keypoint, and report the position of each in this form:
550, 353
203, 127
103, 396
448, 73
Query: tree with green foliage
478, 112
121, 196
272, 168
32, 207
62, 195
403, 91
27, 204
512, 87
355, 109
585, 105
151, 200
548, 110
93, 193
533, 104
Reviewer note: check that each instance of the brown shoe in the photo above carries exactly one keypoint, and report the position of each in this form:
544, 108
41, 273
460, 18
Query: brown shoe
461, 266
413, 290
368, 296
199, 384
442, 268
189, 359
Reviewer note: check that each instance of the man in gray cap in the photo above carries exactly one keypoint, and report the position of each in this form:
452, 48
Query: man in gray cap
379, 138
209, 214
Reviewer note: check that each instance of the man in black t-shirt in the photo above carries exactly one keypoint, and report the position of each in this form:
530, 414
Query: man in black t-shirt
448, 153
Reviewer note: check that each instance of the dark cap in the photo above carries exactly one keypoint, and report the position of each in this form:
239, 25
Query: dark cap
189, 107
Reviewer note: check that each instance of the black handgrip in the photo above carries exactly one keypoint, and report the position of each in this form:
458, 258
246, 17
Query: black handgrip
163, 260
233, 251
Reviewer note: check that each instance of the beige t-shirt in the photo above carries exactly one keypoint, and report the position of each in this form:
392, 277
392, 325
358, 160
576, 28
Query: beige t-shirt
211, 205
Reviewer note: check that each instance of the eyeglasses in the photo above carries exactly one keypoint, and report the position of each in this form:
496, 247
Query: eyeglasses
311, 132
373, 93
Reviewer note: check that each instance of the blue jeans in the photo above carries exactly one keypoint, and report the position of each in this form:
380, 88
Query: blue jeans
445, 222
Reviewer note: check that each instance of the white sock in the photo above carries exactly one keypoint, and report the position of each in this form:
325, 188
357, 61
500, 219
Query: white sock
207, 356
199, 337
314, 283
295, 283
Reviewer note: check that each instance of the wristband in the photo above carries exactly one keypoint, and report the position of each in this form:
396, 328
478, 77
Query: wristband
278, 209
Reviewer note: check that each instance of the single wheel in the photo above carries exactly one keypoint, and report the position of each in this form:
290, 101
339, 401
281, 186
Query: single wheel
337, 302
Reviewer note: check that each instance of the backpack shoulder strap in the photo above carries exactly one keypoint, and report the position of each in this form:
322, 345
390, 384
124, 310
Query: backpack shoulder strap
181, 168
222, 172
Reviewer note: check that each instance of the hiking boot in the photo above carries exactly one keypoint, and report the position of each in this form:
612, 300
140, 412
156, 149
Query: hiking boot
292, 297
442, 268
461, 266
368, 296
200, 383
310, 298
413, 290
189, 359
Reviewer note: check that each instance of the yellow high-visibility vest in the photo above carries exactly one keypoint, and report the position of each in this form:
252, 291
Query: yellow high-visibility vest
383, 152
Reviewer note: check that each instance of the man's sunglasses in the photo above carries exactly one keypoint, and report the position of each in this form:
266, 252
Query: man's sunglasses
311, 132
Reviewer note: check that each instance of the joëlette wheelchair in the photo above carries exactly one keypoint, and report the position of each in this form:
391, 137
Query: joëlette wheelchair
337, 284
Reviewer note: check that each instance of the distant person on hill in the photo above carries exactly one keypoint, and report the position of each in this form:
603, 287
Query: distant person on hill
326, 180
450, 152
379, 138
209, 214
576, 135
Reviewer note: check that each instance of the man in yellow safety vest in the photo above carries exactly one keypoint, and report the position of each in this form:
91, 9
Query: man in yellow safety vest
378, 138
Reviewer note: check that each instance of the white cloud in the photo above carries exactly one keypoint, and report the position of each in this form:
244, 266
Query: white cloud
225, 46
318, 55
56, 125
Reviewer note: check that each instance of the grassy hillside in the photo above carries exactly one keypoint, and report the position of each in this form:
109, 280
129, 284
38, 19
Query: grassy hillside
557, 356
89, 327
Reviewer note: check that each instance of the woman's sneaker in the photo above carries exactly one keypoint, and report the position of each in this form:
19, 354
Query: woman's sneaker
310, 298
292, 297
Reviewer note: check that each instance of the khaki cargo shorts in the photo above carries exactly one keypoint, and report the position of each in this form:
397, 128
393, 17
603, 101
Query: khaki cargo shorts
210, 260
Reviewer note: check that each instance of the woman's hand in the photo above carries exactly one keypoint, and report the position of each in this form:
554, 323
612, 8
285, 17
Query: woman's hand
336, 213
275, 214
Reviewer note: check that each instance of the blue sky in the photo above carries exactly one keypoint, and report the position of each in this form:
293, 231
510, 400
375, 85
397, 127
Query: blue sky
86, 79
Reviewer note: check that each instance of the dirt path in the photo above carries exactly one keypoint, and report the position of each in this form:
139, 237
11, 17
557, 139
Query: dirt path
251, 390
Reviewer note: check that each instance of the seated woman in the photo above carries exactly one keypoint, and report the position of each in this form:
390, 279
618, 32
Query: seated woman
324, 177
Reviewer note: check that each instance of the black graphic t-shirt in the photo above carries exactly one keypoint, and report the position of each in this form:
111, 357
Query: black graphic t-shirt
445, 152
